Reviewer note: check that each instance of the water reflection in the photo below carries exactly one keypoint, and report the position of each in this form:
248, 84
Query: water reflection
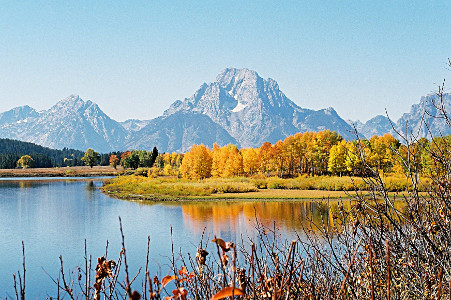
26, 184
287, 215
55, 216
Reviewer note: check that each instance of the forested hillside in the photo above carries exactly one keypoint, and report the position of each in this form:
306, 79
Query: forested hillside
43, 157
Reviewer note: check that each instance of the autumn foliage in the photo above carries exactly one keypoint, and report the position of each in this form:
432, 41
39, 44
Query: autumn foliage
310, 153
197, 163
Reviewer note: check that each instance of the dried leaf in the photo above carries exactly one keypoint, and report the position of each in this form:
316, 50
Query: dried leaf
182, 280
227, 292
183, 271
166, 280
180, 293
220, 243
201, 256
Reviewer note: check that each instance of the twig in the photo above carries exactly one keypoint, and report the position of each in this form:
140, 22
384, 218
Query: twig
388, 270
146, 274
66, 287
127, 281
370, 249
349, 268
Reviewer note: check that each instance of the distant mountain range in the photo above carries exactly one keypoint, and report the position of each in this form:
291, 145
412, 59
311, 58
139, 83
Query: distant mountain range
423, 120
239, 107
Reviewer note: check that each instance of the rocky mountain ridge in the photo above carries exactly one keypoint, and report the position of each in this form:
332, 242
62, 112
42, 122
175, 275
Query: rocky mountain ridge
254, 110
239, 107
423, 120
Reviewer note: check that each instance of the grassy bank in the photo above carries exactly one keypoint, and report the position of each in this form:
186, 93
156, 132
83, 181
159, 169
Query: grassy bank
171, 188
60, 172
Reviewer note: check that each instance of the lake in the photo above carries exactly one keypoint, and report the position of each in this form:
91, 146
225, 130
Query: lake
54, 217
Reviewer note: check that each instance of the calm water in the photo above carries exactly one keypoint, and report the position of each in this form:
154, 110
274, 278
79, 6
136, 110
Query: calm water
54, 217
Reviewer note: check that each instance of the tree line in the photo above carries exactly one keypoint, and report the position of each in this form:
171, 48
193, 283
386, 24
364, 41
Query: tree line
11, 151
312, 153
315, 153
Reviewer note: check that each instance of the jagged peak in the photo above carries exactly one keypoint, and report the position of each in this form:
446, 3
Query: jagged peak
74, 101
230, 76
22, 108
72, 98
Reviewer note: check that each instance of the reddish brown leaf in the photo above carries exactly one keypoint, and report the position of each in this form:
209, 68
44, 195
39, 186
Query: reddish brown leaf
180, 293
183, 271
221, 244
182, 280
166, 280
227, 292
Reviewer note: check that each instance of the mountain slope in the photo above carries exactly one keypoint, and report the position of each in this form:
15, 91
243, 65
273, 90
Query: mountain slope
379, 125
423, 120
71, 123
18, 114
178, 132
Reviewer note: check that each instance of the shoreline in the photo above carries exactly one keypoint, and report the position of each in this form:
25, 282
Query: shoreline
260, 195
171, 189
78, 171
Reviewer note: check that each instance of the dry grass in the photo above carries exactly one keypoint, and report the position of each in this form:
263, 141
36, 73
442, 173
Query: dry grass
171, 188
60, 172
283, 194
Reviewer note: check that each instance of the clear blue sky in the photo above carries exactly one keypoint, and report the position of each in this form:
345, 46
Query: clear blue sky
134, 58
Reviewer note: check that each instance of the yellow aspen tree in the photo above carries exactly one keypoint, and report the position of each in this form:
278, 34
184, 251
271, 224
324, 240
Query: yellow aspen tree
264, 157
337, 158
174, 156
290, 154
250, 160
234, 162
355, 151
217, 161
197, 163
278, 158
323, 142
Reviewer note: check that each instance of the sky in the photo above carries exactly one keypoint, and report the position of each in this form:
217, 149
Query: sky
134, 58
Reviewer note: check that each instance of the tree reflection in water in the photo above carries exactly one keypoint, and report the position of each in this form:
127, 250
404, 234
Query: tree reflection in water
286, 215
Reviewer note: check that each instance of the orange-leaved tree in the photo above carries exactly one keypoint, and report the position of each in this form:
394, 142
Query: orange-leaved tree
114, 161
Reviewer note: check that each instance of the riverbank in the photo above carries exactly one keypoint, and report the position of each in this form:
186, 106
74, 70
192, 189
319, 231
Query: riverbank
239, 188
79, 171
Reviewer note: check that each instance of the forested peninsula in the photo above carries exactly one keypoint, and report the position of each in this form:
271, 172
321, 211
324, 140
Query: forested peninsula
320, 161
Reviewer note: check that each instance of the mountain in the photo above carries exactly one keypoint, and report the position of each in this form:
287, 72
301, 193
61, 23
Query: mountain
239, 107
18, 114
423, 120
178, 132
134, 124
379, 125
254, 110
71, 123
